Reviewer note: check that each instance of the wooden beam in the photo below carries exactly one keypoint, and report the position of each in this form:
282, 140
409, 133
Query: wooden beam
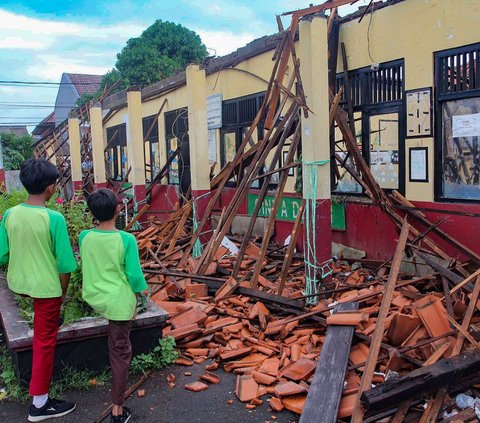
424, 381
420, 217
472, 305
374, 350
216, 283
139, 214
330, 4
402, 412
326, 388
453, 277
434, 406
465, 282
291, 248
269, 227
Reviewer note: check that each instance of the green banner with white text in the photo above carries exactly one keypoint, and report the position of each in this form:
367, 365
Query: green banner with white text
289, 207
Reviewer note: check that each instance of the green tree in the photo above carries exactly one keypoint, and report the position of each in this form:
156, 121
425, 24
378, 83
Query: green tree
162, 50
15, 150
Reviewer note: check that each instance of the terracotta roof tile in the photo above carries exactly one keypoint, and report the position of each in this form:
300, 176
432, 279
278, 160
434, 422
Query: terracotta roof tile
85, 83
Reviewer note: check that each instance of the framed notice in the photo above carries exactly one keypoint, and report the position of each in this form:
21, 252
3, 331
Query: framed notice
214, 111
418, 164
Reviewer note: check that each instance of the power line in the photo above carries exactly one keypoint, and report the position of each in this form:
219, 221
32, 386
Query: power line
19, 123
33, 103
4, 82
20, 107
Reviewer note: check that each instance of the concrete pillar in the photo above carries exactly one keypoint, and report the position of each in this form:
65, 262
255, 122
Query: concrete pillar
198, 136
98, 146
135, 147
313, 55
75, 155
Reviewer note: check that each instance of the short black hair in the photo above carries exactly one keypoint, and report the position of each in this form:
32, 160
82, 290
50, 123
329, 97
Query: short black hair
102, 204
37, 174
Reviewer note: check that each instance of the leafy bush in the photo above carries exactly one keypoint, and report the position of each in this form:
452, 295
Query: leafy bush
161, 356
9, 200
16, 149
77, 218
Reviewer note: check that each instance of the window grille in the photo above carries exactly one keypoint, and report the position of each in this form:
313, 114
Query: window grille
369, 87
241, 111
458, 71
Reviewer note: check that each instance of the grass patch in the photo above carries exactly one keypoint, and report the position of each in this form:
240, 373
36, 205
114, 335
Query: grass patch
71, 379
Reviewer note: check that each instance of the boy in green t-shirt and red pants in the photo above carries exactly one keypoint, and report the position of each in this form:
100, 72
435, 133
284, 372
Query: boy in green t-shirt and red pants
34, 242
112, 275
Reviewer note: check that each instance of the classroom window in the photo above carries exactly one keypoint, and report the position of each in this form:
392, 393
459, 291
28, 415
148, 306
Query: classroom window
458, 123
238, 114
176, 135
116, 152
377, 97
152, 153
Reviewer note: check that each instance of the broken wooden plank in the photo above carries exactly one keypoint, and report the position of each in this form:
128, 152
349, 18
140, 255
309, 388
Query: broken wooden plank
456, 279
216, 283
374, 350
326, 389
423, 381
435, 406
472, 305
291, 248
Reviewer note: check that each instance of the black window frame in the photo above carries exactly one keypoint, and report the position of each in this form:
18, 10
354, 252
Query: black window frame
239, 113
117, 146
442, 95
152, 139
176, 126
368, 101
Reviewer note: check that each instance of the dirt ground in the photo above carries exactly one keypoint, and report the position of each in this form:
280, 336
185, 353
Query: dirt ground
164, 405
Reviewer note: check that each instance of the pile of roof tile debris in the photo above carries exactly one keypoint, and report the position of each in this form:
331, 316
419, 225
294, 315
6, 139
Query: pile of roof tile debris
381, 343
273, 343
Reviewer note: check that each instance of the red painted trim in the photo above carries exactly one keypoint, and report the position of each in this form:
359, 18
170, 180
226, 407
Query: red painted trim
77, 185
370, 230
3, 184
140, 192
163, 201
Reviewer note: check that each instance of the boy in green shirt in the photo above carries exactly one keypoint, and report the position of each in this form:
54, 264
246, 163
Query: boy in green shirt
34, 242
112, 275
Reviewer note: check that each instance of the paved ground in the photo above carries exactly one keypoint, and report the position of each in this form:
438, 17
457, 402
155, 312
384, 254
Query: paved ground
164, 405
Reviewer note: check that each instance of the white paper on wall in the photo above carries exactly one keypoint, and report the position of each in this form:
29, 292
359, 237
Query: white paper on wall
418, 165
466, 125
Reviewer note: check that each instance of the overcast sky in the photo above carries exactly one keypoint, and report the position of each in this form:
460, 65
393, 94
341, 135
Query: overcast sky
39, 40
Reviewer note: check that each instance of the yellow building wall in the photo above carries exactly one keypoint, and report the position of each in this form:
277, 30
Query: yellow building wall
412, 30
248, 77
175, 100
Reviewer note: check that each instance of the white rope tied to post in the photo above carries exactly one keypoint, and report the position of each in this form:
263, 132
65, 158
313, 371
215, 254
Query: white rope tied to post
197, 247
312, 267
